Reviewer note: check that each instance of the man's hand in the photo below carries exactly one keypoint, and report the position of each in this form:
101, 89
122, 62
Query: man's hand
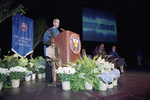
116, 59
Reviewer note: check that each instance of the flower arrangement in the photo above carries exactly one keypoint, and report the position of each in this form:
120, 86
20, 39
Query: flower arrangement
86, 71
3, 74
17, 72
32, 65
105, 66
103, 77
41, 69
39, 64
109, 77
115, 73
65, 73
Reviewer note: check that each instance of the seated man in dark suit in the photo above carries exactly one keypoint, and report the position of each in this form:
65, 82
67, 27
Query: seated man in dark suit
100, 52
103, 54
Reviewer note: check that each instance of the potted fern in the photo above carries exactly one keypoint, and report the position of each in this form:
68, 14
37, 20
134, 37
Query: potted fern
86, 73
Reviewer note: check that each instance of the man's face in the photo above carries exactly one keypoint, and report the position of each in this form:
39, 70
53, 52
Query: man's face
100, 48
102, 45
56, 23
83, 51
113, 49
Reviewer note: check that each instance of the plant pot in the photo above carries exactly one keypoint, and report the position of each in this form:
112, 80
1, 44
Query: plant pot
1, 85
66, 85
43, 75
27, 78
115, 82
103, 86
15, 83
33, 76
88, 86
110, 86
40, 76
112, 66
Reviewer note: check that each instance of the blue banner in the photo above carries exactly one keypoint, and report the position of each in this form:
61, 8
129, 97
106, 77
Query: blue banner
22, 35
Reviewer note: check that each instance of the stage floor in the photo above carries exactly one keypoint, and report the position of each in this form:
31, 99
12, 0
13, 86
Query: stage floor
133, 85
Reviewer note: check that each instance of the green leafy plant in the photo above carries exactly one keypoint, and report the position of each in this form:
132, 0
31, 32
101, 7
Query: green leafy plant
2, 64
17, 72
23, 62
39, 63
7, 11
41, 69
11, 61
31, 66
86, 71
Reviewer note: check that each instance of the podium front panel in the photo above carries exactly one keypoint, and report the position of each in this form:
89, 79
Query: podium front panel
62, 41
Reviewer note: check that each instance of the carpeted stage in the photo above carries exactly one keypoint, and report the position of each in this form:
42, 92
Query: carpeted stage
133, 85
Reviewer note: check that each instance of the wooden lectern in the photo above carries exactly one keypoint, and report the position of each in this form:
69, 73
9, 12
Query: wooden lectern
63, 42
66, 46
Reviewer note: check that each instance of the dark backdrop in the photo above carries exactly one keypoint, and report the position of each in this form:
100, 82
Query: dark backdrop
132, 16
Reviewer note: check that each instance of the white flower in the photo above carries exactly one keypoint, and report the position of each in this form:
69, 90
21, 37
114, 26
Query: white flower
59, 70
41, 66
4, 71
73, 71
17, 69
65, 70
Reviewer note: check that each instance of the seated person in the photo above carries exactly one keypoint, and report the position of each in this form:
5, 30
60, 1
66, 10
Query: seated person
102, 45
100, 52
83, 52
103, 54
117, 60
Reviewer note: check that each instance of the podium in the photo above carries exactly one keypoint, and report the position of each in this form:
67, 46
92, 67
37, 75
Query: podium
65, 47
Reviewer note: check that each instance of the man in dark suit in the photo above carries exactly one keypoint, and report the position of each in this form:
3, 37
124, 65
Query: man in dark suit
101, 52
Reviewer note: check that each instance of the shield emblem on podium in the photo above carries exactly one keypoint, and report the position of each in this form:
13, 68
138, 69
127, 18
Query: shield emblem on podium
75, 43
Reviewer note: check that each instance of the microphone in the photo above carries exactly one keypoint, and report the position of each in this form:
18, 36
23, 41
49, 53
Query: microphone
62, 29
